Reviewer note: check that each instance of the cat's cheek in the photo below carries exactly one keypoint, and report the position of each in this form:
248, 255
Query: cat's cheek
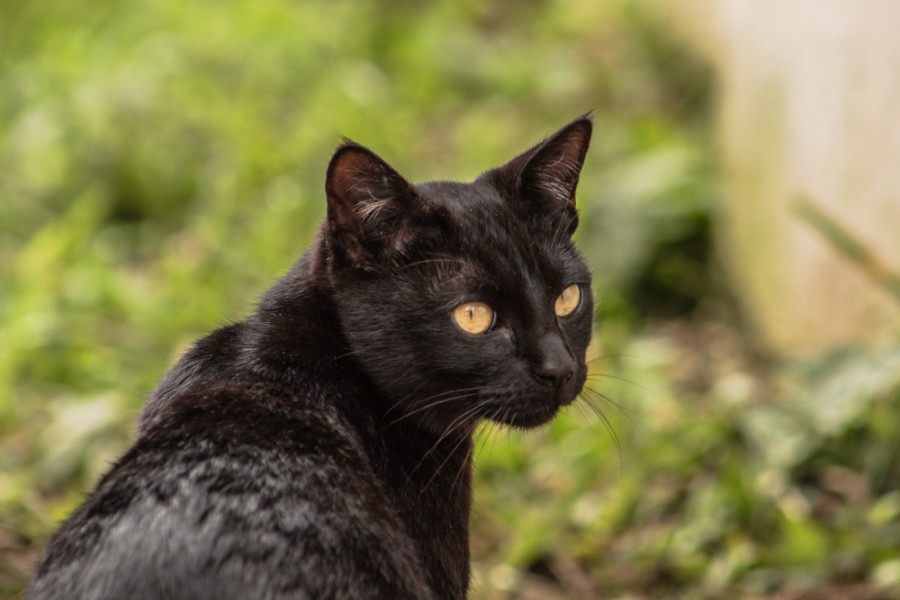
504, 338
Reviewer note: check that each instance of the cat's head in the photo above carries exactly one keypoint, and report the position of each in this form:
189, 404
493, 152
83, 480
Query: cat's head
464, 301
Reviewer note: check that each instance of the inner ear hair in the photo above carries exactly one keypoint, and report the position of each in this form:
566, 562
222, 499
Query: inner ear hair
360, 185
553, 169
369, 205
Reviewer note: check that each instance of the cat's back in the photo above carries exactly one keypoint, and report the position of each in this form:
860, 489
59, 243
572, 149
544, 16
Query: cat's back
237, 488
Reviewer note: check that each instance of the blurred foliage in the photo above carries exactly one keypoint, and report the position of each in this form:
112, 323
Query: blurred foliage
722, 479
162, 163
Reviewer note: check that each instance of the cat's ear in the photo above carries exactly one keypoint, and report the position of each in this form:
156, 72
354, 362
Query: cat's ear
369, 206
543, 179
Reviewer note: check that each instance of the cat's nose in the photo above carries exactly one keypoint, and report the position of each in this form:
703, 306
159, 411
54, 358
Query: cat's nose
556, 364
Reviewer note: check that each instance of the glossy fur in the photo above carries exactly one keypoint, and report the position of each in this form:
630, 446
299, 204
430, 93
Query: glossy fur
322, 448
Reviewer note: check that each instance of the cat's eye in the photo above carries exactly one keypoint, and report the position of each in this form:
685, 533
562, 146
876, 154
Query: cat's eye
568, 301
474, 317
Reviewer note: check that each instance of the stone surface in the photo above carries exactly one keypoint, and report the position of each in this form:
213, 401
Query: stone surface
809, 116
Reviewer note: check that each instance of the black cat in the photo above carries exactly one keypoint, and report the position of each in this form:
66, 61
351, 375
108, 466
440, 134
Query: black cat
322, 448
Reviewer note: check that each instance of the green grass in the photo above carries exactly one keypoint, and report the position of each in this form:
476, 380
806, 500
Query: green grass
162, 162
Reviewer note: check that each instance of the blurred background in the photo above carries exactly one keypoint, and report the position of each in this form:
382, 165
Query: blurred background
162, 163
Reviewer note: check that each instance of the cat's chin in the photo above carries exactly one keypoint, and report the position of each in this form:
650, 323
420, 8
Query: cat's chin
530, 417
530, 421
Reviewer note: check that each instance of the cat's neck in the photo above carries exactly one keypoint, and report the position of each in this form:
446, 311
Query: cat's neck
429, 478
296, 326
427, 474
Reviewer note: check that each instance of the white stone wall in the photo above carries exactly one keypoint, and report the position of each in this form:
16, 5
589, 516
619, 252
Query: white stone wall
809, 110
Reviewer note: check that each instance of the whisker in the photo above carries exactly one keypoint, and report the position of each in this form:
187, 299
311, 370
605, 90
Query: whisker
488, 434
596, 394
459, 421
607, 423
464, 464
618, 406
355, 352
466, 436
619, 378
437, 400
407, 398
616, 355
447, 259
440, 468
581, 410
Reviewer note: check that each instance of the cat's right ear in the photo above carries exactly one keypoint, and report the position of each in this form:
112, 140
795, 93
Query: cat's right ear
369, 206
542, 180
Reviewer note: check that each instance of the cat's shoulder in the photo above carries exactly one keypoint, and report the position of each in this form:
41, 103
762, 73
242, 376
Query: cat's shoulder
236, 484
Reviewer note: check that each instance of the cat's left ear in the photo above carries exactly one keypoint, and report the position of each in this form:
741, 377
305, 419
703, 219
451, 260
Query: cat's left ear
371, 208
543, 179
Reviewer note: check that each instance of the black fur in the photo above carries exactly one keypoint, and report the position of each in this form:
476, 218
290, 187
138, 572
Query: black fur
322, 448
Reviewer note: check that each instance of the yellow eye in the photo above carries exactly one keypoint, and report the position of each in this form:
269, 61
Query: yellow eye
568, 301
474, 317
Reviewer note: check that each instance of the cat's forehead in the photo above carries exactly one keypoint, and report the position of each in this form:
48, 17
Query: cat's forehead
460, 198
480, 217
494, 242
